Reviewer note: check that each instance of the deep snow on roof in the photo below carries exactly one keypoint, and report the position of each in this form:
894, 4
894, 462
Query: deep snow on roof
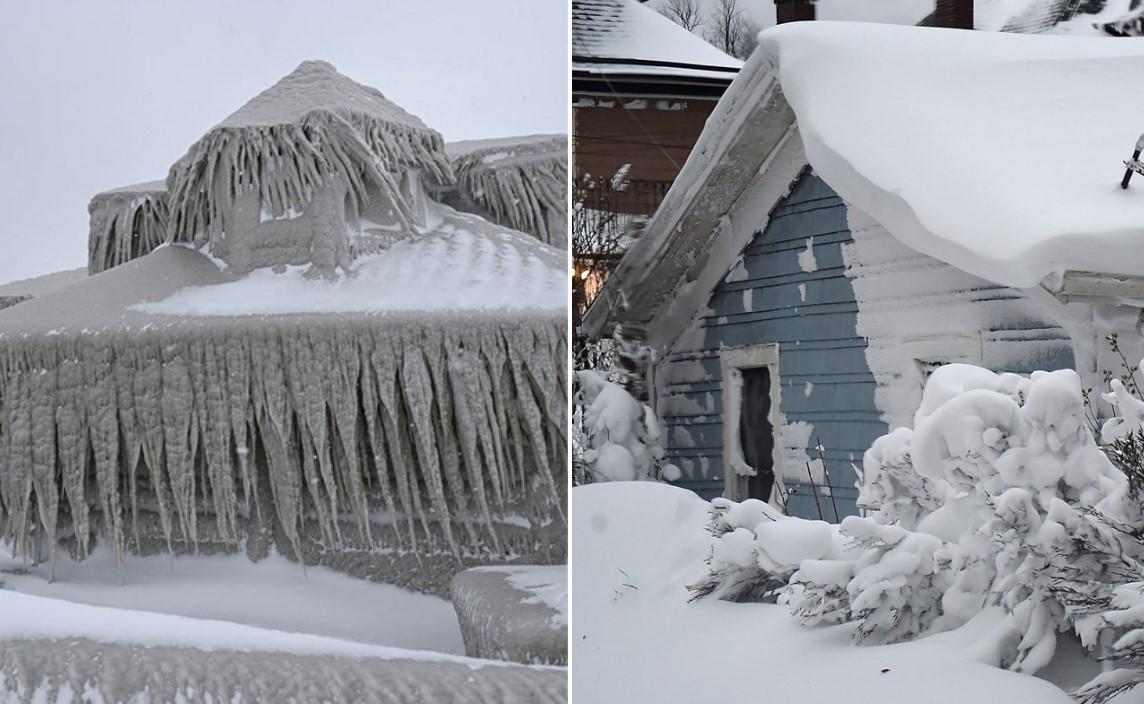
998, 153
627, 31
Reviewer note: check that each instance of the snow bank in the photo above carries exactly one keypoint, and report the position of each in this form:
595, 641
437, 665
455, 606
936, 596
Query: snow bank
635, 638
274, 594
997, 153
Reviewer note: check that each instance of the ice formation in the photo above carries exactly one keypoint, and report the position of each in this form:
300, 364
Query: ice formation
520, 182
515, 613
79, 669
316, 145
385, 438
126, 223
998, 497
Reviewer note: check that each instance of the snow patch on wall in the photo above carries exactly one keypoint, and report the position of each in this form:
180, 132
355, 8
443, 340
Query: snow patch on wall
806, 259
797, 439
898, 289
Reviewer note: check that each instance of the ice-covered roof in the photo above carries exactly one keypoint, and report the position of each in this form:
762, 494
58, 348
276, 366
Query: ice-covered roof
462, 265
289, 139
997, 153
624, 36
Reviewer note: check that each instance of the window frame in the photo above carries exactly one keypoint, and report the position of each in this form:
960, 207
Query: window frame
732, 360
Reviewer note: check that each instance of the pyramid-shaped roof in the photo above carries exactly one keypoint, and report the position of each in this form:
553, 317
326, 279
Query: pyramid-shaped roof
317, 85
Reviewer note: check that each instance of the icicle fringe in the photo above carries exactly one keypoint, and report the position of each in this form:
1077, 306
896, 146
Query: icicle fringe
125, 224
527, 191
382, 433
286, 163
79, 669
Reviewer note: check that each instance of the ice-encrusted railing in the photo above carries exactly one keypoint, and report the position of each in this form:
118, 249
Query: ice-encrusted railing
300, 429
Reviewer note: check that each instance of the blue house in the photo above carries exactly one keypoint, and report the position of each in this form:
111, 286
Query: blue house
791, 326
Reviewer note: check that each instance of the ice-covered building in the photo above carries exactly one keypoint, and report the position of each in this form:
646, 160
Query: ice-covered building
321, 360
869, 202
316, 121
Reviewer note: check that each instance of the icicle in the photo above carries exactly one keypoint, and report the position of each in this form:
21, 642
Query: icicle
459, 418
418, 399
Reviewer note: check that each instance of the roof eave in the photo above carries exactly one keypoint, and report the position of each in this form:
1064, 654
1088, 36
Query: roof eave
747, 125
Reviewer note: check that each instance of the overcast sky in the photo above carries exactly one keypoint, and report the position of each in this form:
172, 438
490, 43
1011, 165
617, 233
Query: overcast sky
95, 95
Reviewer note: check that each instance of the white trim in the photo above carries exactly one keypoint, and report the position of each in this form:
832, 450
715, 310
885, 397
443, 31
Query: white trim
731, 361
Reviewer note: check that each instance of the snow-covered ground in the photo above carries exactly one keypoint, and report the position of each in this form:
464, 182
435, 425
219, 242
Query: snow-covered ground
635, 545
912, 125
220, 601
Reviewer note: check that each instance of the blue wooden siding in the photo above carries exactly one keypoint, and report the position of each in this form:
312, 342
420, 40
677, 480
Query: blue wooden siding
761, 302
817, 345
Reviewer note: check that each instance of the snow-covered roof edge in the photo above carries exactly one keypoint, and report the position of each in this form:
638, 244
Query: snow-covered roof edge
749, 123
615, 33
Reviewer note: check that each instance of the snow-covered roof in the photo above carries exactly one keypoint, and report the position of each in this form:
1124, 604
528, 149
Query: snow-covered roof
462, 265
1000, 154
997, 153
624, 36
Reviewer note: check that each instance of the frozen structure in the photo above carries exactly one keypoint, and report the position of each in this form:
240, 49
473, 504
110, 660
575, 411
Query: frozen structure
518, 182
321, 360
126, 223
64, 670
320, 153
816, 260
519, 614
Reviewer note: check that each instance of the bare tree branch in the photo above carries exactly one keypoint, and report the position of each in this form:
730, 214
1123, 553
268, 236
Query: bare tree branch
685, 13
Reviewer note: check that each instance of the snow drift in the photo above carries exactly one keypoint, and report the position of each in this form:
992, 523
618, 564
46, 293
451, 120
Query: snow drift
1000, 154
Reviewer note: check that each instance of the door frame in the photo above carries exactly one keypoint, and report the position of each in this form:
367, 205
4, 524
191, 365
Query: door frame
731, 361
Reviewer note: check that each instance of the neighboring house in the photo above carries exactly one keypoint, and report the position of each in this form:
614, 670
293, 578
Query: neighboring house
923, 202
642, 88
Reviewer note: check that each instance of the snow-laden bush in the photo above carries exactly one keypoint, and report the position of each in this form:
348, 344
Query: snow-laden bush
620, 436
998, 497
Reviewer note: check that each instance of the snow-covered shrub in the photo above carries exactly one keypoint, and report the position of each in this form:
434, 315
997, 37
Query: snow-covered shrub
620, 434
999, 496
